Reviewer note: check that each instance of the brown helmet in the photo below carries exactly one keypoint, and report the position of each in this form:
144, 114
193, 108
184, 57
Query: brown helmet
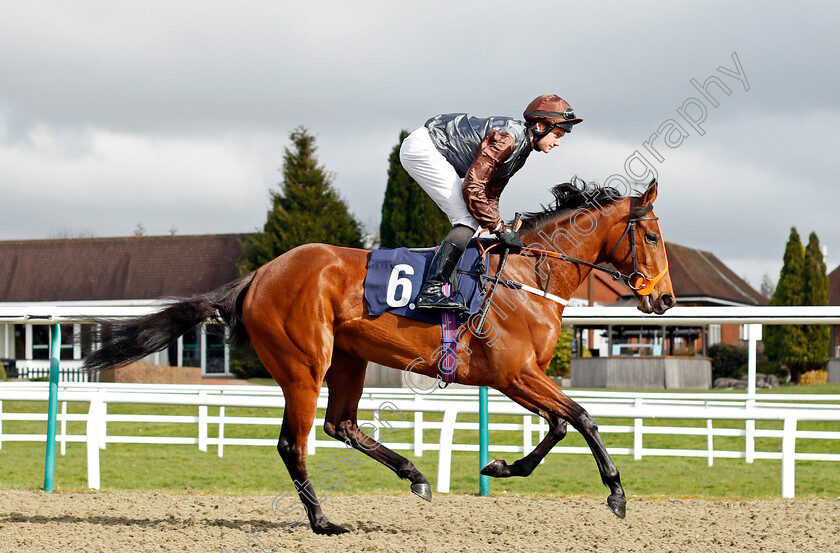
553, 110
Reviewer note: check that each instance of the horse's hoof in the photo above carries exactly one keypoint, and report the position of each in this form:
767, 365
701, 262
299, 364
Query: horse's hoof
329, 529
618, 505
496, 469
422, 490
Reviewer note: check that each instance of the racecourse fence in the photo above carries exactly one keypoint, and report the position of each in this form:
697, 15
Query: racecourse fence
404, 409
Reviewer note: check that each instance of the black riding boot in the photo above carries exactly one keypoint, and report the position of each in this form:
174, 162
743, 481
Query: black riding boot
431, 295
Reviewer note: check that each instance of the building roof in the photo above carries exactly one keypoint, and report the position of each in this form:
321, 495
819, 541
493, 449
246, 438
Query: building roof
700, 274
697, 276
834, 287
137, 267
146, 267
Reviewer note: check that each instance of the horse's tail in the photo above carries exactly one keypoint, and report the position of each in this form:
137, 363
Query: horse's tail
126, 342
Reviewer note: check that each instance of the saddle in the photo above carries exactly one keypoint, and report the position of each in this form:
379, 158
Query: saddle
394, 277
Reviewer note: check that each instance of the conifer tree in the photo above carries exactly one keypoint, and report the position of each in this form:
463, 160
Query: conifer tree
306, 209
815, 293
787, 343
409, 216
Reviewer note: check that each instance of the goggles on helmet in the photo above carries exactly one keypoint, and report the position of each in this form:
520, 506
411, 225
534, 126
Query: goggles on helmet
567, 114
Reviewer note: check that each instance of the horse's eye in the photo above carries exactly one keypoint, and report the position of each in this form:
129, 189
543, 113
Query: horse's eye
652, 238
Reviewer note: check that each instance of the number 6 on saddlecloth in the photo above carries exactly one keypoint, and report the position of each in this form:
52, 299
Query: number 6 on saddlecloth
399, 281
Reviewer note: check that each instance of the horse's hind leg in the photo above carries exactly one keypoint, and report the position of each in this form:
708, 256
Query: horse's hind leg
345, 379
298, 418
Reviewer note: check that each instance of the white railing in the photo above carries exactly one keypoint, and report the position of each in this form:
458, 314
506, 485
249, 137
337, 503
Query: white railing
393, 409
708, 407
752, 317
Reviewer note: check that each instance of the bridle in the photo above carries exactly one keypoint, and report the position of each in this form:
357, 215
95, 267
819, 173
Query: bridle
637, 214
636, 280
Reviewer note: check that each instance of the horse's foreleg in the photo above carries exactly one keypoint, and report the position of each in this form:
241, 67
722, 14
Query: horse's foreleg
583, 423
537, 393
345, 379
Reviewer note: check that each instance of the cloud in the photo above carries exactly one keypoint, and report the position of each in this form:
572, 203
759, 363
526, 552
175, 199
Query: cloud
176, 113
108, 182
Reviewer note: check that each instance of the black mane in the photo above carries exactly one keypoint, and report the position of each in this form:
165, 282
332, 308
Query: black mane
569, 196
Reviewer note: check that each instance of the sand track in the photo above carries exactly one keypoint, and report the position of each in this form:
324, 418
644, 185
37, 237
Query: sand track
141, 522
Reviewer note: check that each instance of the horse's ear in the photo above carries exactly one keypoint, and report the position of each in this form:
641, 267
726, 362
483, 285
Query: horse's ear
650, 194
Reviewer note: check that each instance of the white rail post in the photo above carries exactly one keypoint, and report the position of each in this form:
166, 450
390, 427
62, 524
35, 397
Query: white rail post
541, 433
710, 442
202, 424
749, 445
1, 425
310, 442
93, 437
221, 430
749, 431
447, 432
418, 433
753, 336
638, 432
789, 458
63, 435
103, 423
528, 430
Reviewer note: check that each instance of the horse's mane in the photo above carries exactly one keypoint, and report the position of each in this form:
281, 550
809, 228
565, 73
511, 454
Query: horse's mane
569, 196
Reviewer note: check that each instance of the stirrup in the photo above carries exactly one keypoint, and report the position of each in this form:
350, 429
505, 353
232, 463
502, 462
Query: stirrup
439, 302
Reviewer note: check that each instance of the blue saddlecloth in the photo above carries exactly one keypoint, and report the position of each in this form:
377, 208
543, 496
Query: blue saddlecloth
394, 278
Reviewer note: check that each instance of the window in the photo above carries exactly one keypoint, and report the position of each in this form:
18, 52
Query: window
42, 341
714, 334
215, 354
192, 348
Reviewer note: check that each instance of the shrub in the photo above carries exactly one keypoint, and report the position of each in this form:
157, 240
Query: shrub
3, 372
813, 377
727, 361
245, 363
561, 360
775, 368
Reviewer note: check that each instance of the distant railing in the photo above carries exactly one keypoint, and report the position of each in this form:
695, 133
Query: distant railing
404, 409
31, 369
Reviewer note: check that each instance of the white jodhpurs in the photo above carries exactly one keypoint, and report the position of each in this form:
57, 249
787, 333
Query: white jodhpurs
436, 176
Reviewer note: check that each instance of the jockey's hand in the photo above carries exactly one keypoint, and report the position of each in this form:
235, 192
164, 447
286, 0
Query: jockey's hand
510, 238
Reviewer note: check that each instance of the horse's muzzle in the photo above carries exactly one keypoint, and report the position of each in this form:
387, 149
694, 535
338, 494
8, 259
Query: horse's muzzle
659, 304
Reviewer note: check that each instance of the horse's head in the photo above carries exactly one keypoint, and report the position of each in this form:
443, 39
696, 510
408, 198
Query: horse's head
638, 251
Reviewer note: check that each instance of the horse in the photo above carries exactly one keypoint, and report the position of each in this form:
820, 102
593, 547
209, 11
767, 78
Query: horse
305, 315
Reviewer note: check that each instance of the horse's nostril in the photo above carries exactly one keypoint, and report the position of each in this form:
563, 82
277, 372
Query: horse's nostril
667, 301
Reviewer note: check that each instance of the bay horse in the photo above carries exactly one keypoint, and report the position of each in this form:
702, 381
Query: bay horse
305, 314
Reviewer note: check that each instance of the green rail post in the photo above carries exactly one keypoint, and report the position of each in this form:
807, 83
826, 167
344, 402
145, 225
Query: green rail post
483, 439
52, 409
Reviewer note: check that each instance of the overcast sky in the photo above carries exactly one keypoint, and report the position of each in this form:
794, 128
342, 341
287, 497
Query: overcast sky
174, 115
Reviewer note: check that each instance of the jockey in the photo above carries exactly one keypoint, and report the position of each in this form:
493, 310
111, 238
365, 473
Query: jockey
464, 163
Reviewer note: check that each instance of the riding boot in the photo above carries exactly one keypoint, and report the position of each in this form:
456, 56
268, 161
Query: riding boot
443, 265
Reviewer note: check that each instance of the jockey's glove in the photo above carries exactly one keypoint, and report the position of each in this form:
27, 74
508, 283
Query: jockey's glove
510, 238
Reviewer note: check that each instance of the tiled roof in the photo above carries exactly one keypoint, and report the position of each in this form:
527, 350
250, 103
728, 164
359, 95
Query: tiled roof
140, 267
701, 276
146, 267
834, 287
696, 273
